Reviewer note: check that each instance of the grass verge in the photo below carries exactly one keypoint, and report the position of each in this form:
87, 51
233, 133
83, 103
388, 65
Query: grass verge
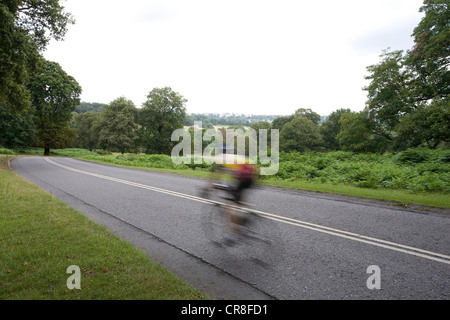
40, 237
403, 198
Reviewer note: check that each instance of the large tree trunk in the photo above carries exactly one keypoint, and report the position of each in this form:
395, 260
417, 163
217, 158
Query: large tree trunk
46, 151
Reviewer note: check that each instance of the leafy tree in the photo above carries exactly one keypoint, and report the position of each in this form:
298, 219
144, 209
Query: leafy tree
43, 20
388, 91
54, 94
331, 127
162, 113
300, 134
26, 27
429, 126
90, 106
17, 129
408, 94
309, 114
357, 133
279, 122
429, 59
87, 126
118, 126
262, 125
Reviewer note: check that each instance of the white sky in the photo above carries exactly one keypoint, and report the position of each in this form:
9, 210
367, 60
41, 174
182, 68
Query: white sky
234, 56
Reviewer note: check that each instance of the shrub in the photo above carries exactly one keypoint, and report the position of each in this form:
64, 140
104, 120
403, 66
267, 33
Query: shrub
414, 169
6, 151
443, 156
414, 155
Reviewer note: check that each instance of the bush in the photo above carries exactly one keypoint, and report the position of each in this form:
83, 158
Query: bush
72, 152
103, 152
414, 156
6, 151
414, 169
443, 156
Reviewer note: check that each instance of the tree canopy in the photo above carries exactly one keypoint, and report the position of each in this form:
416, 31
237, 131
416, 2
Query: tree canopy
26, 27
118, 126
408, 103
162, 113
54, 95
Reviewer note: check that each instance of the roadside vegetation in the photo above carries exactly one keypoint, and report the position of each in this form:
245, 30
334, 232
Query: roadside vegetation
40, 237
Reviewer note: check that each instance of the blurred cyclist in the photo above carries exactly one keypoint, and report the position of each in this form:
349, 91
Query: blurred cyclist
244, 175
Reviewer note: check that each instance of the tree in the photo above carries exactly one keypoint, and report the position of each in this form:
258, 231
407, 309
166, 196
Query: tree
357, 133
54, 94
87, 126
26, 27
162, 113
429, 126
388, 91
279, 122
262, 125
42, 20
408, 94
89, 106
309, 114
300, 134
17, 129
331, 127
429, 59
118, 126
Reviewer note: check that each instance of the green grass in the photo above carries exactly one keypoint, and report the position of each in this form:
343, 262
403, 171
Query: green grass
40, 237
403, 198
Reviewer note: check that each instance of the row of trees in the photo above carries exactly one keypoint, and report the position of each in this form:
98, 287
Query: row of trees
37, 97
123, 127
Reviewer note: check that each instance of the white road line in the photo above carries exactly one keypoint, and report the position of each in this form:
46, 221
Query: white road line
336, 232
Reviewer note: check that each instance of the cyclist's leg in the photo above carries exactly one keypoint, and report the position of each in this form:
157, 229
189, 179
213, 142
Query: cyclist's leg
240, 218
241, 187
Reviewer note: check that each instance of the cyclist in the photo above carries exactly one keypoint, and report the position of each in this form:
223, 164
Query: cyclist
244, 175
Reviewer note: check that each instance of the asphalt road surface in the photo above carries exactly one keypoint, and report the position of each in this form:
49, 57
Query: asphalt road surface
330, 247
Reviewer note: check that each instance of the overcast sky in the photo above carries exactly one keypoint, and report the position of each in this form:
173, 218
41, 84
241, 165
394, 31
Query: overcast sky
235, 56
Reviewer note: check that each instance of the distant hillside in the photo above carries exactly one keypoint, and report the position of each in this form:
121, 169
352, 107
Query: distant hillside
88, 106
227, 119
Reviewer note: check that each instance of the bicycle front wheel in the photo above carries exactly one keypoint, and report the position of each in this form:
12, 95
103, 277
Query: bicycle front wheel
262, 239
214, 223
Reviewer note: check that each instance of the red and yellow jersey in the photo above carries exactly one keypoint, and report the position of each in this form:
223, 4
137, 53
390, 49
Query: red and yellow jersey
239, 165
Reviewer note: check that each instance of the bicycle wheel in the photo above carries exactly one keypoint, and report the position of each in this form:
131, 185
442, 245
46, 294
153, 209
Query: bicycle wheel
214, 223
257, 240
262, 240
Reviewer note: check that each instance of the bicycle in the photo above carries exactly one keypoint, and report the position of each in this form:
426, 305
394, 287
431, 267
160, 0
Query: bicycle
238, 229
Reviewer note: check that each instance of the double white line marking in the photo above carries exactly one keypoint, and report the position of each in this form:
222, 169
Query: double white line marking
335, 232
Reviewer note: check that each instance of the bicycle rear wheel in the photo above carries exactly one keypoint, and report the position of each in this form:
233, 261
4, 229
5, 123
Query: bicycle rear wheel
262, 241
257, 241
214, 223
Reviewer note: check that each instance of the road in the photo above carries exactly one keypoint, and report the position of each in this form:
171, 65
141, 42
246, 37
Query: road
333, 247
